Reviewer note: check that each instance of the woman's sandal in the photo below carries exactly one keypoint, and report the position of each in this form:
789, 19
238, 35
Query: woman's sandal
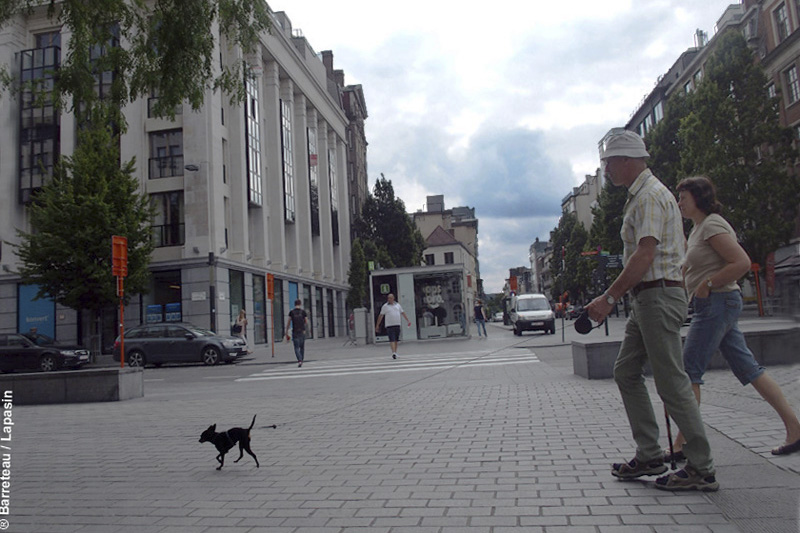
786, 449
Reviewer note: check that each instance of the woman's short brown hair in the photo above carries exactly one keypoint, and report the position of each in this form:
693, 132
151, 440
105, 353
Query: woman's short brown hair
703, 192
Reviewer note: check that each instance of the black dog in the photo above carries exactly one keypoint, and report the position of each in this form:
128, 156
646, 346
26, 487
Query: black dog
227, 440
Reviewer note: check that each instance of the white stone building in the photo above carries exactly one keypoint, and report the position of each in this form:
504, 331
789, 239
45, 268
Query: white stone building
241, 192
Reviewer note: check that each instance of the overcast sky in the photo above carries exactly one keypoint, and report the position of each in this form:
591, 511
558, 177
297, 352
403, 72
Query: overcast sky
498, 106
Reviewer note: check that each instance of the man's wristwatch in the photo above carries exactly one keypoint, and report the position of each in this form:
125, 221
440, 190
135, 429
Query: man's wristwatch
610, 299
709, 284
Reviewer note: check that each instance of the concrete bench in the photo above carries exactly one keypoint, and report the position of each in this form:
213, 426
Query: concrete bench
595, 360
74, 386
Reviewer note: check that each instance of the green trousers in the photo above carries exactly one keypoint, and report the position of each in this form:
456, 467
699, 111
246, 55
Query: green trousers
652, 334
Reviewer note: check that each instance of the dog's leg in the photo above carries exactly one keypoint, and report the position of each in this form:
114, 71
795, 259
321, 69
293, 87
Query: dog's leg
241, 450
221, 459
248, 450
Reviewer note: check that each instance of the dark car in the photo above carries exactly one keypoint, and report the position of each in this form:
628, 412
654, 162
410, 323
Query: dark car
44, 340
154, 344
18, 352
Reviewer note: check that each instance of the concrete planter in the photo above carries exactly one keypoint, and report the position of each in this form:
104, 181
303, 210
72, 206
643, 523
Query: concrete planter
75, 386
595, 360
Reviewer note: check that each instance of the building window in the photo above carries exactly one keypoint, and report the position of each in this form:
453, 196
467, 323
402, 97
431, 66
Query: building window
168, 224
332, 178
771, 91
103, 80
658, 112
781, 22
698, 77
166, 154
153, 100
288, 161
429, 260
313, 179
448, 258
648, 124
792, 84
253, 137
38, 117
687, 87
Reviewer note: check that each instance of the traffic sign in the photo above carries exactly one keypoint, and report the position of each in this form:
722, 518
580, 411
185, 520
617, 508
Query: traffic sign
119, 256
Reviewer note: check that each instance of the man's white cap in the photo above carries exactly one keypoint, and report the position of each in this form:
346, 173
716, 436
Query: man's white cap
624, 143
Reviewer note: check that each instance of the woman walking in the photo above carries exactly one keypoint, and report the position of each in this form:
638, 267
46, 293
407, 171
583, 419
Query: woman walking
241, 321
714, 262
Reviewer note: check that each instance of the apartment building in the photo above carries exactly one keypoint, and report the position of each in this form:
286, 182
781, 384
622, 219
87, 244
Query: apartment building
771, 30
451, 237
244, 194
583, 198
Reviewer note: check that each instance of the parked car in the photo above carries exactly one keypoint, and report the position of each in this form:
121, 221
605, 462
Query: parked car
43, 340
177, 343
497, 317
18, 352
531, 312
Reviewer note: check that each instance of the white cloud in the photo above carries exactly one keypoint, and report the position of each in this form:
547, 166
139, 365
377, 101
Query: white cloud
500, 107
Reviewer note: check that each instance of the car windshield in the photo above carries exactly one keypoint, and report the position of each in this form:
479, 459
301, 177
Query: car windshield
533, 304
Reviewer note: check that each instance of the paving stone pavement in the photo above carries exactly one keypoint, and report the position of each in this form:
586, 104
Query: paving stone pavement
471, 448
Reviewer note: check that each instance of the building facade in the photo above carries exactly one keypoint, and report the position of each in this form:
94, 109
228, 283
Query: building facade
244, 194
451, 237
539, 255
772, 30
583, 198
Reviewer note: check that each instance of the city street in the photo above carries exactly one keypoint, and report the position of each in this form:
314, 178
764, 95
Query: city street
470, 435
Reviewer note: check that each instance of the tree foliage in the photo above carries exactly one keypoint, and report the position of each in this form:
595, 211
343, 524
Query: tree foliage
607, 221
169, 48
728, 129
67, 253
357, 277
384, 221
574, 276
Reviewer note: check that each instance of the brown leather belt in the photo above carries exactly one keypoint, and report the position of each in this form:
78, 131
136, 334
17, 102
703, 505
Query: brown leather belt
655, 283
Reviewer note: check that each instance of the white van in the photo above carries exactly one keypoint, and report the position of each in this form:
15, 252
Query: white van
531, 312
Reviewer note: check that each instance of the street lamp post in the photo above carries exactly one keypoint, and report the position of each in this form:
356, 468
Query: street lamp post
212, 260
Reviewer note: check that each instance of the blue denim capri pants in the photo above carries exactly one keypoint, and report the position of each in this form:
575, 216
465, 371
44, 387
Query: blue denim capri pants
715, 326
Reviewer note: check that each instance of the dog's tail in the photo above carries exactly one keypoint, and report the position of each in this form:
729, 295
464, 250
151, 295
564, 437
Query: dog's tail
253, 423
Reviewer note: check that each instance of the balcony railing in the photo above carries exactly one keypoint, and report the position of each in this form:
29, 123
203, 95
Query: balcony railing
169, 235
166, 167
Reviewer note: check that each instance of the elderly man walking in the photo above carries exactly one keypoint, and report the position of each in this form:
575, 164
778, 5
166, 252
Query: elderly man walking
654, 245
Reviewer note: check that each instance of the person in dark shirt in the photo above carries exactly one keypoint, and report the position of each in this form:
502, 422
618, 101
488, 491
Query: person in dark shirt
298, 321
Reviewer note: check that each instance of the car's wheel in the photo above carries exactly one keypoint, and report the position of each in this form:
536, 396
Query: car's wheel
517, 331
210, 356
48, 362
135, 358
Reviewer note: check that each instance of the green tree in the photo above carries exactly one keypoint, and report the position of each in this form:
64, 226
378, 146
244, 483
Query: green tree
665, 145
384, 221
607, 218
733, 136
169, 48
575, 274
357, 277
67, 253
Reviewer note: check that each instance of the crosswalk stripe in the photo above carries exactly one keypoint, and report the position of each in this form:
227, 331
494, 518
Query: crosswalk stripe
406, 364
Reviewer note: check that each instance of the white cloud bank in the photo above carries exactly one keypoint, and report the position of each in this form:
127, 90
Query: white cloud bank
500, 107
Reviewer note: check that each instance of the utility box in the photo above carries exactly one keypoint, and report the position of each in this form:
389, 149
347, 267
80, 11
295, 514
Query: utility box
360, 325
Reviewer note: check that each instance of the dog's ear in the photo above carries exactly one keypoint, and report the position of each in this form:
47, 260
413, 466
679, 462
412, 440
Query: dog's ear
212, 427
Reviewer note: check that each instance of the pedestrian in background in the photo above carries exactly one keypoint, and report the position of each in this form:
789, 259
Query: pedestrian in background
393, 313
653, 249
714, 262
480, 318
241, 327
297, 323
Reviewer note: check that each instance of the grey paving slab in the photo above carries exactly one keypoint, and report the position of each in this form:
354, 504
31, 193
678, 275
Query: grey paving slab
470, 448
